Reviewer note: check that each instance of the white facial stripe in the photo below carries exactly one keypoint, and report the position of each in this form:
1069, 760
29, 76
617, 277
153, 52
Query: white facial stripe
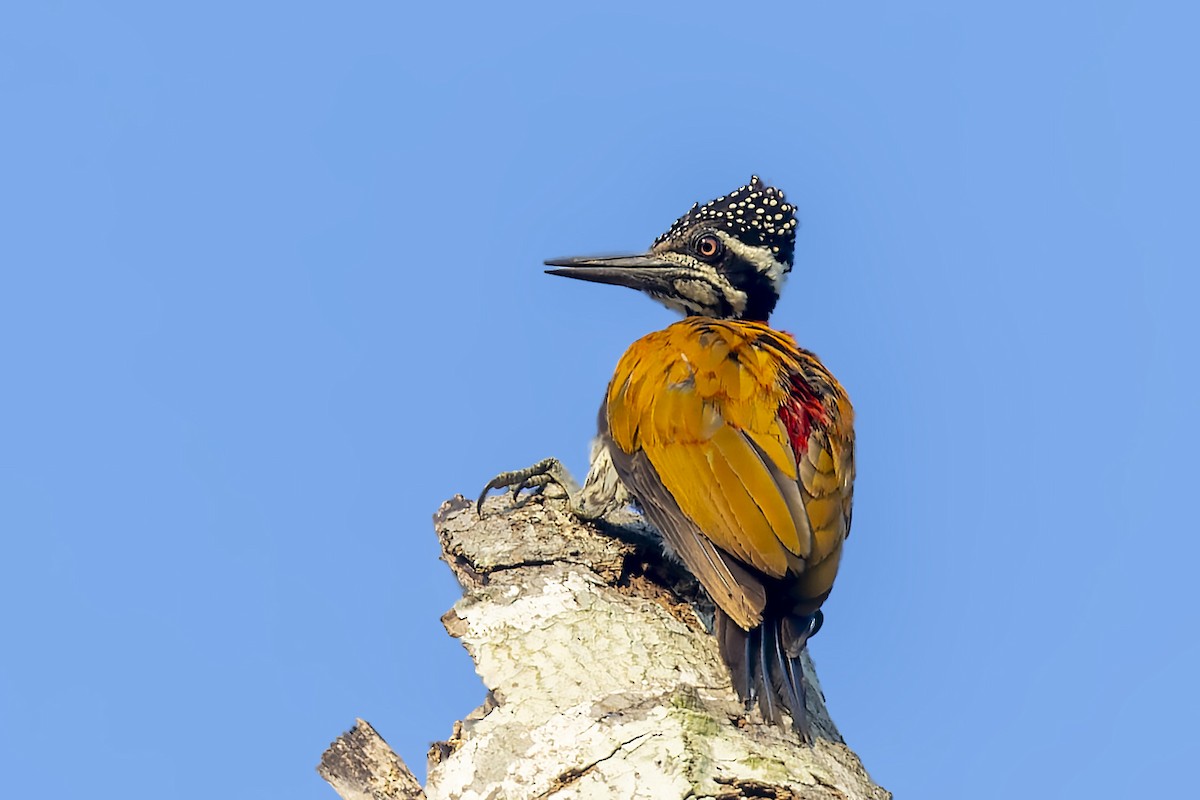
700, 290
760, 257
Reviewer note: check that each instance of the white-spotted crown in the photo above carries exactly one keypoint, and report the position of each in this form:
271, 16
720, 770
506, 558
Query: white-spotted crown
756, 214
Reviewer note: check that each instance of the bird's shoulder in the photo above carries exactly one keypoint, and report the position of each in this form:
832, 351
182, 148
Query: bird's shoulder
746, 372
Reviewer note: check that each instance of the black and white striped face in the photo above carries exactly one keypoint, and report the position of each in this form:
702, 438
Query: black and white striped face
727, 258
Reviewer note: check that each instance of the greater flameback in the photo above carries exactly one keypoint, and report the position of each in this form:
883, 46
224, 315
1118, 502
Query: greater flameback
735, 443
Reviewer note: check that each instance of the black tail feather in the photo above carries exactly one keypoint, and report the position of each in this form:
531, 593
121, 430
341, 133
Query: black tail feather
769, 692
766, 667
794, 681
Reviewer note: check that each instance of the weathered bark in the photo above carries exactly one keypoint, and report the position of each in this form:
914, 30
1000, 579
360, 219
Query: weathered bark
604, 680
360, 766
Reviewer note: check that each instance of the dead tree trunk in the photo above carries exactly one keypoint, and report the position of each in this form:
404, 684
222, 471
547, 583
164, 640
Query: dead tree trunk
604, 682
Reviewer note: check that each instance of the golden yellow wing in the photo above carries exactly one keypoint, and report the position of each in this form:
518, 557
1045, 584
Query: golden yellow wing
730, 436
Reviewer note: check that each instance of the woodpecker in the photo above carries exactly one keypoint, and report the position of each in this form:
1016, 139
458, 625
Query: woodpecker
734, 443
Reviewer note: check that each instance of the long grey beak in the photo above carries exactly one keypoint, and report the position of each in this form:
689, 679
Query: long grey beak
645, 272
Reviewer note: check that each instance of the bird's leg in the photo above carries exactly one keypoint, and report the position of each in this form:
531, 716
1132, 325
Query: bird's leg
601, 493
534, 478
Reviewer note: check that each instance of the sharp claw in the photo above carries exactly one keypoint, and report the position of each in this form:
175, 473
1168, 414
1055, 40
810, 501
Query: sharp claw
492, 484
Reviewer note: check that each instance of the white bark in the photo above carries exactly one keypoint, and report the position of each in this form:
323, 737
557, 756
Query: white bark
604, 680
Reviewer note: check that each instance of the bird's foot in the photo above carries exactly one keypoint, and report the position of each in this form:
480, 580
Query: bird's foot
533, 479
817, 619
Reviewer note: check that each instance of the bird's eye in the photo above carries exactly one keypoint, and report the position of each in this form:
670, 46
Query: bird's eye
708, 246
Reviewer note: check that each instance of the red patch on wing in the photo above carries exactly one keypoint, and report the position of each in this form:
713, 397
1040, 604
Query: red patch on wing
799, 412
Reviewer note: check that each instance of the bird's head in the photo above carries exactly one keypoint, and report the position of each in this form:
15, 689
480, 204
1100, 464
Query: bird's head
727, 258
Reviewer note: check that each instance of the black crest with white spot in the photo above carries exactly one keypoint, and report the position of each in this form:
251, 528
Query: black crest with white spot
756, 214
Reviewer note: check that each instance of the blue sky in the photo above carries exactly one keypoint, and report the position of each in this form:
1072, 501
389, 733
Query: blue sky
270, 290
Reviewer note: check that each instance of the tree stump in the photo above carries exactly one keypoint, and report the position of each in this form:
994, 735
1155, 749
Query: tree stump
604, 679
